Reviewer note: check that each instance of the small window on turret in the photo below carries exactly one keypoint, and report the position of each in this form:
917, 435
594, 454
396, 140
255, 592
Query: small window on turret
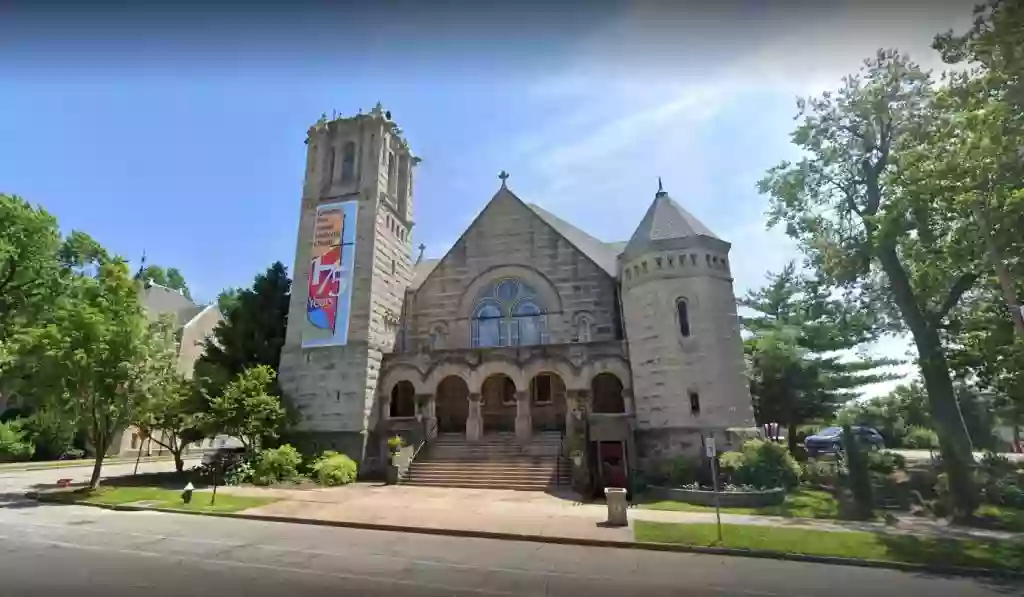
657, 261
707, 258
693, 258
694, 403
670, 261
682, 311
643, 266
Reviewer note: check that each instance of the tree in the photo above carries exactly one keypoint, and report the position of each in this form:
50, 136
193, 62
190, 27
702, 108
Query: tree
14, 444
170, 278
247, 409
892, 414
171, 415
785, 384
796, 313
865, 230
985, 348
96, 356
251, 334
228, 299
29, 241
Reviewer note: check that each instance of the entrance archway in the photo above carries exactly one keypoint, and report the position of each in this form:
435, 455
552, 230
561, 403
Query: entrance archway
403, 400
606, 389
451, 405
547, 402
498, 403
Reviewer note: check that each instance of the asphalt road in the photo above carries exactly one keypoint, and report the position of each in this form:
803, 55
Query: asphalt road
50, 549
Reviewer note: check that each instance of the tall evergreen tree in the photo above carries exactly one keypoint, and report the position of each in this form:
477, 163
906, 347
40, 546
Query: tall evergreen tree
799, 334
252, 332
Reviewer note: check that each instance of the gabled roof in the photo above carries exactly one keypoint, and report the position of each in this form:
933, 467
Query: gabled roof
160, 300
602, 253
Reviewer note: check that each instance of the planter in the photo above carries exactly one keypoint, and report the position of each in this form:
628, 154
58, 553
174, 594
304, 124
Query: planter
391, 475
727, 499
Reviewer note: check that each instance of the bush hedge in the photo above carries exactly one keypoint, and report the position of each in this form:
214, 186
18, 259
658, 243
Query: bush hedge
332, 469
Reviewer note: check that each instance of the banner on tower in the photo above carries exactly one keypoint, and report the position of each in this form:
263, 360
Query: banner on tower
330, 275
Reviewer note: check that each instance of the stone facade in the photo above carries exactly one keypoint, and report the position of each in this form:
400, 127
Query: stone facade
527, 323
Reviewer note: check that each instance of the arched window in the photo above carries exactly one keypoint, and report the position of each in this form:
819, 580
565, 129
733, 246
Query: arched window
348, 162
487, 326
509, 313
682, 311
583, 325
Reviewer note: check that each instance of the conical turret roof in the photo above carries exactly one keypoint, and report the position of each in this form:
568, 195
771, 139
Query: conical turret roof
665, 220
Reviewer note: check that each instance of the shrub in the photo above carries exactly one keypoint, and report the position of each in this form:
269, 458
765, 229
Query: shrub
997, 465
822, 472
395, 444
333, 469
729, 464
14, 443
765, 465
276, 464
681, 471
885, 462
921, 438
241, 472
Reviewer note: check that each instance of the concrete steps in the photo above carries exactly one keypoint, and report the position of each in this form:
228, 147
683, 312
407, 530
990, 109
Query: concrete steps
497, 461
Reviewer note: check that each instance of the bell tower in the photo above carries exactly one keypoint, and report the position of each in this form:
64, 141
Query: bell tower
352, 267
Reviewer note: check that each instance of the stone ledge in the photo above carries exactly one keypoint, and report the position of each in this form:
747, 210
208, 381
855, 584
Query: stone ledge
727, 499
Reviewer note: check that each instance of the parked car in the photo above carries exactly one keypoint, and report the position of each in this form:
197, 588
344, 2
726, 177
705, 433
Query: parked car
830, 440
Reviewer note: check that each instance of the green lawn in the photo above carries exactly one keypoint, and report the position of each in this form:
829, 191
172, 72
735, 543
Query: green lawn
1008, 555
801, 503
163, 498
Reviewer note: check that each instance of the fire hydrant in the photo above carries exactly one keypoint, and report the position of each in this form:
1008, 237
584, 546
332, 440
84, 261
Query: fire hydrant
186, 494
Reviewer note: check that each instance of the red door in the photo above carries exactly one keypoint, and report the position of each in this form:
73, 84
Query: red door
612, 456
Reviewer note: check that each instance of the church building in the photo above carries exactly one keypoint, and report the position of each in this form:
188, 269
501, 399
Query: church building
530, 355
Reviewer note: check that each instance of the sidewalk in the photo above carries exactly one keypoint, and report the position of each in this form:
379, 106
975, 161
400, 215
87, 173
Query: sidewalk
531, 513
83, 462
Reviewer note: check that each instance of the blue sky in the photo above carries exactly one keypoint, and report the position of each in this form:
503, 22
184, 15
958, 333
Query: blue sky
186, 140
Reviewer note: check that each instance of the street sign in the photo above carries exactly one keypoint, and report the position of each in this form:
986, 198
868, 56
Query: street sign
709, 446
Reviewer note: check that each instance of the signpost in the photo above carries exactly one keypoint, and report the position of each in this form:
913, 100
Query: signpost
709, 446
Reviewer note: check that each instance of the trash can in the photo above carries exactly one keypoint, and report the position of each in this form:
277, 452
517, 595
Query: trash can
616, 497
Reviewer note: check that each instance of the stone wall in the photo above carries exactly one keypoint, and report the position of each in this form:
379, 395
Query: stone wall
667, 366
509, 239
334, 388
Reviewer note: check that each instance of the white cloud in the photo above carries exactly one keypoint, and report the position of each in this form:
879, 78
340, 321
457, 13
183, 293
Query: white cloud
643, 96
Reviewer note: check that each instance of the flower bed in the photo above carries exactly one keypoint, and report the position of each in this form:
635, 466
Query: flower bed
730, 497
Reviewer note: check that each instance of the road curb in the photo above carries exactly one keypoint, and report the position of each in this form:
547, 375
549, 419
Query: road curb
578, 541
78, 463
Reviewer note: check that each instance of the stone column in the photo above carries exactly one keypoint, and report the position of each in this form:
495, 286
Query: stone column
474, 422
524, 425
427, 405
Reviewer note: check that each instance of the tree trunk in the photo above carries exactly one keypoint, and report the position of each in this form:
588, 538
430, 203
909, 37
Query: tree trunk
97, 468
954, 442
791, 437
179, 464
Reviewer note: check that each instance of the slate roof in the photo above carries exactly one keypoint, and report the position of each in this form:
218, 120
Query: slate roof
421, 270
602, 253
665, 219
159, 300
